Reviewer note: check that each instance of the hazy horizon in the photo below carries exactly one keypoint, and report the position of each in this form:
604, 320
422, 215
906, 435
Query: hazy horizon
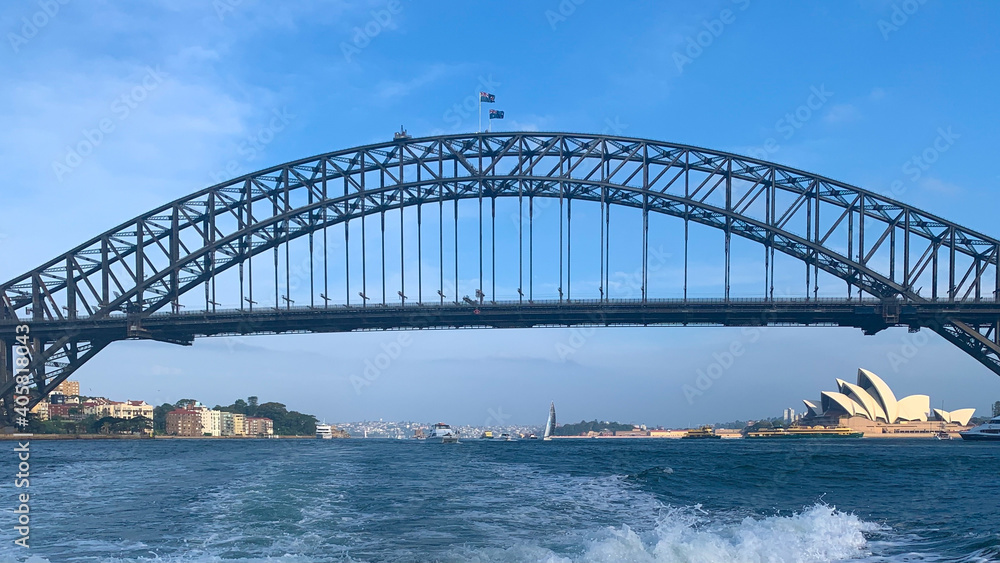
237, 87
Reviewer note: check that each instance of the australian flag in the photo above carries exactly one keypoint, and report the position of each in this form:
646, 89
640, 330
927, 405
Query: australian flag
496, 114
488, 98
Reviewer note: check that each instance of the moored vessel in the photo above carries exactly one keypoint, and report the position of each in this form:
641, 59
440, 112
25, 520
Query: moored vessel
705, 432
989, 432
443, 433
806, 432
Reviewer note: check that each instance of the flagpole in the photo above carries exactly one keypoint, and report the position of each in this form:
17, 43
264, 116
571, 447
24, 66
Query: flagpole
480, 130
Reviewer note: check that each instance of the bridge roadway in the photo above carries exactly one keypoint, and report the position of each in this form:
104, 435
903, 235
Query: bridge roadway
868, 315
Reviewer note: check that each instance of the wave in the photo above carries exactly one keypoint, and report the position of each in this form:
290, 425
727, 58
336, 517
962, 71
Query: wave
819, 533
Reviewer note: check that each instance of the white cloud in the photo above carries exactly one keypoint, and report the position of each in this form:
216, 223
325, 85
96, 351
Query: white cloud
939, 186
158, 370
842, 113
393, 89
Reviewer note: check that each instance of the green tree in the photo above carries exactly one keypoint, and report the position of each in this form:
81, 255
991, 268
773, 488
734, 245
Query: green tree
288, 423
185, 403
251, 408
160, 416
996, 408
238, 407
139, 424
584, 427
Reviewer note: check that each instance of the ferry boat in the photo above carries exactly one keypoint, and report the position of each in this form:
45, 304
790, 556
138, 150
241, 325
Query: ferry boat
324, 431
806, 432
487, 435
443, 433
984, 432
705, 432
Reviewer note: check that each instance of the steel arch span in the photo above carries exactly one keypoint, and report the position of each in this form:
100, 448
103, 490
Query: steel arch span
896, 265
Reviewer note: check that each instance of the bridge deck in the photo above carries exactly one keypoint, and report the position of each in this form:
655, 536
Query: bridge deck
869, 315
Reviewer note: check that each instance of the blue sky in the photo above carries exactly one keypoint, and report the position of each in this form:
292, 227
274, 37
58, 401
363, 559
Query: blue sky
195, 92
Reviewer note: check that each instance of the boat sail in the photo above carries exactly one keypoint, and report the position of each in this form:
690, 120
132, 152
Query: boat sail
550, 425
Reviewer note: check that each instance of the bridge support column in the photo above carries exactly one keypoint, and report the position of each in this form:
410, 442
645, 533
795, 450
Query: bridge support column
6, 375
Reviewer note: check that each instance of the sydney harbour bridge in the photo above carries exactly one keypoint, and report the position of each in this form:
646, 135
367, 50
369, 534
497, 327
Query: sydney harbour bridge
477, 230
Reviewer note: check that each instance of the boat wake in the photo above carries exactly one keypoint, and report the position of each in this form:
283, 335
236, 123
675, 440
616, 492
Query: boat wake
819, 533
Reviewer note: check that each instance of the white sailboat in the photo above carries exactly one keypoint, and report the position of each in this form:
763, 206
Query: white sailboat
550, 424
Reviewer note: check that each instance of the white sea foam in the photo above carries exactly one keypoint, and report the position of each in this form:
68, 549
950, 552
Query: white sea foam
689, 535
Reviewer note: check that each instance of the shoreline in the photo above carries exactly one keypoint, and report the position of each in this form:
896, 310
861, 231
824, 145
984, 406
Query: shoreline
13, 437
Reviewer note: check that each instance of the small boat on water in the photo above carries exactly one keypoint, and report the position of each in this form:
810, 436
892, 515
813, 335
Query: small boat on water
550, 424
705, 432
806, 432
505, 437
989, 432
443, 433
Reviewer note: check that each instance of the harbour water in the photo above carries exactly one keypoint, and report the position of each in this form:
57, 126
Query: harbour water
561, 501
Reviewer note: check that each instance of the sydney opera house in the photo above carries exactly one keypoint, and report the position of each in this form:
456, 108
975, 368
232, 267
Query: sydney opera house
870, 406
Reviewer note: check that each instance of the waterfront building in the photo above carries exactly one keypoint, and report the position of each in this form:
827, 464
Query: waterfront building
662, 433
68, 388
41, 411
232, 424
132, 409
635, 432
211, 422
259, 426
870, 406
184, 422
117, 409
95, 406
67, 411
